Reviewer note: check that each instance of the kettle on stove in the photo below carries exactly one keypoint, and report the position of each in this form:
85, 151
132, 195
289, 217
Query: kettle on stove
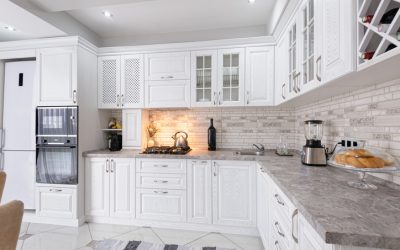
180, 138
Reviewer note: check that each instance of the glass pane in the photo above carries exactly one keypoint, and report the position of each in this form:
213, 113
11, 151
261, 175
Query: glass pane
207, 95
305, 42
305, 19
199, 79
207, 62
226, 94
227, 60
235, 60
311, 68
235, 94
305, 73
199, 62
311, 40
294, 33
294, 59
235, 77
199, 95
311, 9
290, 60
227, 77
207, 78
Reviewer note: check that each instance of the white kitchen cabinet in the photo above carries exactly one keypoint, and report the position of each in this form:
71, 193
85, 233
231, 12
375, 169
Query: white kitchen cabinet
262, 206
57, 76
259, 84
168, 94
121, 82
204, 78
110, 187
231, 77
133, 128
161, 166
339, 39
282, 70
167, 66
234, 193
293, 54
161, 204
56, 202
199, 192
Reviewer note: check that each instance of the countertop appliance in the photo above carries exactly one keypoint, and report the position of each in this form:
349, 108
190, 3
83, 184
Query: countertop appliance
57, 145
181, 139
18, 134
167, 150
115, 142
313, 153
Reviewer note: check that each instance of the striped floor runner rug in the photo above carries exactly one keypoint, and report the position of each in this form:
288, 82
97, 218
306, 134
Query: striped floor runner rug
111, 244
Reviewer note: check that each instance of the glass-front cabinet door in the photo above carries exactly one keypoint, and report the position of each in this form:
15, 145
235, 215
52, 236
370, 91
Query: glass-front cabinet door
293, 87
231, 77
204, 82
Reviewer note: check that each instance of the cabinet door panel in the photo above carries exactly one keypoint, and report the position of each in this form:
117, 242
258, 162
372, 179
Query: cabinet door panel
109, 69
282, 70
168, 94
160, 204
234, 193
132, 81
97, 185
168, 66
56, 202
132, 128
199, 192
259, 76
122, 188
262, 207
58, 76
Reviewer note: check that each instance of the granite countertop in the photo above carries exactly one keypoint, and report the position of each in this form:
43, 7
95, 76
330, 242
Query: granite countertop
340, 214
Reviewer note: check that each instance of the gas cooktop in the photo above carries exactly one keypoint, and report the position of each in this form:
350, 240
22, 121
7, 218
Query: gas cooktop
167, 150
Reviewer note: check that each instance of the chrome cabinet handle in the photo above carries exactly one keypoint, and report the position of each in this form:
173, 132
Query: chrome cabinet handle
112, 166
215, 98
117, 100
161, 192
278, 229
160, 166
122, 100
248, 97
219, 98
107, 166
295, 213
294, 83
283, 91
167, 77
277, 246
318, 68
74, 96
214, 169
160, 181
3, 138
279, 200
298, 82
55, 190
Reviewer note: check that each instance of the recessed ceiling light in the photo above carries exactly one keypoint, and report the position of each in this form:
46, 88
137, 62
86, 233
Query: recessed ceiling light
9, 28
252, 1
107, 14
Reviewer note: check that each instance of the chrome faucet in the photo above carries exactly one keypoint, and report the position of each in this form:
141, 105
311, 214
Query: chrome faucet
259, 147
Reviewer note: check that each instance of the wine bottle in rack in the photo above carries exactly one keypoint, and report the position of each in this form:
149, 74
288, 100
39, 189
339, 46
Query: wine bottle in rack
388, 17
367, 18
367, 55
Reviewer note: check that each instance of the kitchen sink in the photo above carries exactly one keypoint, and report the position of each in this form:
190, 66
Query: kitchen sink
249, 152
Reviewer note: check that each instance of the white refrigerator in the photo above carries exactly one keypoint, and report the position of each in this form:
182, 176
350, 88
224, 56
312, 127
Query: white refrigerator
18, 151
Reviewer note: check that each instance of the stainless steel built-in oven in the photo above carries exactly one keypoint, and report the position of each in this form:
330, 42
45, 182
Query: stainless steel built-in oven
57, 145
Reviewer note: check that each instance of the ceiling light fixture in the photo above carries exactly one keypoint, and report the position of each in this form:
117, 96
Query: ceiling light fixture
107, 14
9, 28
252, 1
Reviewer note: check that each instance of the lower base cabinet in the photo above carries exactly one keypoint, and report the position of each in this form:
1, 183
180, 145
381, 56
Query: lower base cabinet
262, 207
56, 202
110, 187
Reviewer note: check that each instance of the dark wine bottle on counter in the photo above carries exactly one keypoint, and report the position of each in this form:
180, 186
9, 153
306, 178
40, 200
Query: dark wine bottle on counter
212, 136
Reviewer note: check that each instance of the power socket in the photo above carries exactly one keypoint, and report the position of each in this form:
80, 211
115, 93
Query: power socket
350, 143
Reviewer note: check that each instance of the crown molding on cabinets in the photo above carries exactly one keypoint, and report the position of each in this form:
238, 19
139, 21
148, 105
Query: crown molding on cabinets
188, 46
290, 11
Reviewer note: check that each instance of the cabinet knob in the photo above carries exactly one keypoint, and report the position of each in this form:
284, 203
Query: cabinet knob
74, 96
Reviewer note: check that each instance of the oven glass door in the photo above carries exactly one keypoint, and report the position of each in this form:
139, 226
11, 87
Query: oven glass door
57, 121
56, 165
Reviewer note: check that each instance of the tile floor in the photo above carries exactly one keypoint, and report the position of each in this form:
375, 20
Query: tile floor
49, 237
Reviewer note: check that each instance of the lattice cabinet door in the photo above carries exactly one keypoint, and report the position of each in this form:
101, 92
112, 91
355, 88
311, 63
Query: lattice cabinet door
109, 82
132, 81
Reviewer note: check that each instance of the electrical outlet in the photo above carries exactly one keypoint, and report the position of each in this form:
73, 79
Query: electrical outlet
350, 143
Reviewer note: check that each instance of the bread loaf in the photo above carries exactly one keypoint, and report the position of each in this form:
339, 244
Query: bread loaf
359, 158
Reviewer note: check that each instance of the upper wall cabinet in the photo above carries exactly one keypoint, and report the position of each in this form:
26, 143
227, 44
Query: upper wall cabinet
259, 85
204, 78
57, 76
168, 66
121, 81
231, 77
281, 70
338, 57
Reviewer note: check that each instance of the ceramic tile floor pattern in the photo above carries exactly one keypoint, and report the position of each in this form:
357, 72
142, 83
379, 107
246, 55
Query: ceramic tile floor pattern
50, 237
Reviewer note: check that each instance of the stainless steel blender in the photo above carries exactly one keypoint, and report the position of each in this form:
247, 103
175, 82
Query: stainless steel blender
314, 153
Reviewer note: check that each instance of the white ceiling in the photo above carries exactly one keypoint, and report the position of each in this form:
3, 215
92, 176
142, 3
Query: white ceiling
27, 25
153, 19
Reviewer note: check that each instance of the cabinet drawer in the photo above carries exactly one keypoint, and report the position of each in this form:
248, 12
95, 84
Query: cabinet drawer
163, 181
168, 66
161, 204
280, 228
168, 94
161, 166
281, 203
56, 202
